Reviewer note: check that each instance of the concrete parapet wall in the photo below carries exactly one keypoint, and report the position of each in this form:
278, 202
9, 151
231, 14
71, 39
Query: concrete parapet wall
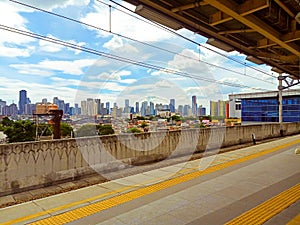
32, 164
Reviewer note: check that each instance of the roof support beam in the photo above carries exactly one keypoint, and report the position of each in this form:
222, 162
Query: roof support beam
286, 9
236, 31
246, 8
289, 37
189, 6
254, 23
210, 32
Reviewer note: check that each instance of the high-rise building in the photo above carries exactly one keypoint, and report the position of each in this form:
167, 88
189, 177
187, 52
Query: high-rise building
11, 110
152, 111
137, 107
29, 109
172, 105
22, 101
218, 108
90, 107
83, 105
180, 109
186, 109
126, 108
194, 105
44, 101
201, 111
126, 102
2, 106
98, 106
67, 108
107, 106
144, 108
76, 111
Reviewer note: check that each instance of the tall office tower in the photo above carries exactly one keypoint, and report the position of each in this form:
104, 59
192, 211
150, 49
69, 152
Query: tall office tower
126, 108
98, 106
194, 105
144, 108
214, 108
137, 107
172, 105
83, 108
90, 107
2, 106
22, 101
76, 111
67, 108
107, 108
180, 109
56, 101
44, 101
186, 109
152, 111
126, 102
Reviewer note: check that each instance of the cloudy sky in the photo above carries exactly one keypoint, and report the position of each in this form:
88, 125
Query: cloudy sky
136, 60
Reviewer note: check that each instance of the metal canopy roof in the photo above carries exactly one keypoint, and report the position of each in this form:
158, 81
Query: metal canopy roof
267, 31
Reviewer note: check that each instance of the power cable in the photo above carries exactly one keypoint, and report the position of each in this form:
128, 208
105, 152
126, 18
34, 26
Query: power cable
119, 58
181, 36
141, 42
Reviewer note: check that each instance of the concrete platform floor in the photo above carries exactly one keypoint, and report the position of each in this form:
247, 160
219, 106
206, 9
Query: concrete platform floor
211, 190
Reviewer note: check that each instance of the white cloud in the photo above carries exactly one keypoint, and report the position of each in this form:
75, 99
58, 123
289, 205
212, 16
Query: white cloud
15, 52
123, 24
49, 5
128, 81
105, 76
35, 91
52, 47
112, 76
47, 67
114, 43
9, 16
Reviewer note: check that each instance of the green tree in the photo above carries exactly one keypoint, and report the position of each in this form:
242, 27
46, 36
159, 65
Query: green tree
20, 131
133, 130
86, 130
6, 122
143, 125
176, 118
140, 118
105, 129
66, 130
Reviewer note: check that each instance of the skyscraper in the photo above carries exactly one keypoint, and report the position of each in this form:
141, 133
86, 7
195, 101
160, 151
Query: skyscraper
2, 106
152, 112
194, 105
107, 105
126, 102
137, 107
126, 108
22, 101
172, 105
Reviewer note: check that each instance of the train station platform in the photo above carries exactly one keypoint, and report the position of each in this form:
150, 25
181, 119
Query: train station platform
253, 185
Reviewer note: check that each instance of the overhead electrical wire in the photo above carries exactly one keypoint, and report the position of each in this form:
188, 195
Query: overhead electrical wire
147, 44
121, 59
181, 36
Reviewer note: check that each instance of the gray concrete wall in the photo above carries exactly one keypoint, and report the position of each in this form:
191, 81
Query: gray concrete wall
32, 164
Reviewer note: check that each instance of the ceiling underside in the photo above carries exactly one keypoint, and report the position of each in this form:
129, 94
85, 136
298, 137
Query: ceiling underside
267, 31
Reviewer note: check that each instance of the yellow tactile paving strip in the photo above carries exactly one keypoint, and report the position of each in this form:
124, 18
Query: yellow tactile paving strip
84, 211
268, 209
295, 221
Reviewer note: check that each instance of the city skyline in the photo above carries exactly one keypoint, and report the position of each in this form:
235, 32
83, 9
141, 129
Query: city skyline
92, 106
43, 67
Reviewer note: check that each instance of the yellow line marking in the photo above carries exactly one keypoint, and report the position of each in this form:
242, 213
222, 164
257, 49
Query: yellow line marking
295, 220
265, 211
108, 203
